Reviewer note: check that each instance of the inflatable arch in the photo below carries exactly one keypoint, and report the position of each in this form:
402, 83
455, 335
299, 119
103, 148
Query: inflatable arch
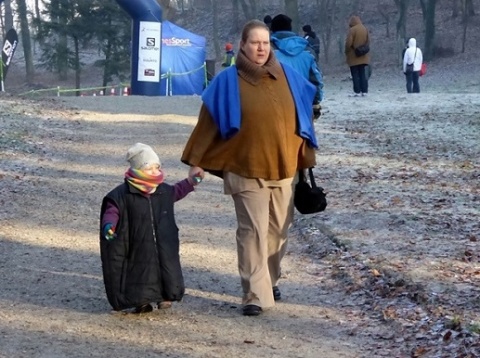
146, 45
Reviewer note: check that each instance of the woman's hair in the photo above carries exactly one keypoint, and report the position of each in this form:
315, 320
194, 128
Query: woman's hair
249, 26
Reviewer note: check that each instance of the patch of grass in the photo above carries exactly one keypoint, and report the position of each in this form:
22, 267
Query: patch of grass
474, 327
454, 323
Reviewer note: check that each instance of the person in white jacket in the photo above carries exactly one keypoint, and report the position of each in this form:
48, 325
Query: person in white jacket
413, 56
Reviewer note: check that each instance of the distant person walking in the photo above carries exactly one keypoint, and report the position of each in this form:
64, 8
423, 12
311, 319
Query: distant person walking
294, 51
358, 38
229, 58
412, 64
313, 40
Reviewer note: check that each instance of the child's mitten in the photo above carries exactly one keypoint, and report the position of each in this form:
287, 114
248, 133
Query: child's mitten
109, 232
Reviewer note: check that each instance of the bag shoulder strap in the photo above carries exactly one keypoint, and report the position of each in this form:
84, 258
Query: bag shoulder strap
312, 178
301, 177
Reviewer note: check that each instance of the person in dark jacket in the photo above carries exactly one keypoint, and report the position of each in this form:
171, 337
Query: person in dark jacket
294, 51
313, 40
139, 243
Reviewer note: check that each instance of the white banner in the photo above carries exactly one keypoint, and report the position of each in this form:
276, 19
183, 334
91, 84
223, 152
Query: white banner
149, 51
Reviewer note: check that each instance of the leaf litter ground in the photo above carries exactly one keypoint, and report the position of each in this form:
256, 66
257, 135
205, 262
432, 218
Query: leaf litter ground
391, 268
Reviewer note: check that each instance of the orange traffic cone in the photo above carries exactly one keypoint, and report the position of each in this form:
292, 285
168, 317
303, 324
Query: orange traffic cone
125, 91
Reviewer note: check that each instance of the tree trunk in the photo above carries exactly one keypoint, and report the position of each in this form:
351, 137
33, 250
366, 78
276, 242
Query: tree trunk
465, 17
327, 14
402, 6
428, 8
291, 9
167, 9
235, 15
78, 67
8, 15
106, 70
386, 17
254, 9
27, 46
37, 9
470, 8
455, 8
246, 10
218, 54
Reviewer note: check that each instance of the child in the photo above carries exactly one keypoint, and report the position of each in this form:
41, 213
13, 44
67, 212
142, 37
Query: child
139, 242
229, 57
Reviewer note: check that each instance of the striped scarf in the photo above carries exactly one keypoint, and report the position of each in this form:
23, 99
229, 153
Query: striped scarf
142, 181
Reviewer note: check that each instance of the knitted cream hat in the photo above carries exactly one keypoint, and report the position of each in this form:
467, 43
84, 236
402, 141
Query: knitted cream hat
140, 155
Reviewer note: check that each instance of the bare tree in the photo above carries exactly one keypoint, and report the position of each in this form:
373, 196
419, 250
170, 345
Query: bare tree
25, 34
254, 9
247, 10
465, 21
8, 15
343, 9
428, 10
291, 8
470, 9
327, 16
37, 9
215, 29
467, 7
455, 7
235, 15
402, 7
386, 16
167, 9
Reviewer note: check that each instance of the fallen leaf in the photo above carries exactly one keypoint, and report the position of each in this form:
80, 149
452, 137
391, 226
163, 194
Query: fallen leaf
418, 352
447, 336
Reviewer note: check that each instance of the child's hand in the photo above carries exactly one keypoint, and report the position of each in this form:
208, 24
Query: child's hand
197, 179
109, 232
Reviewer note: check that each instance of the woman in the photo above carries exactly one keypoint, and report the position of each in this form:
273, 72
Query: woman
413, 56
255, 130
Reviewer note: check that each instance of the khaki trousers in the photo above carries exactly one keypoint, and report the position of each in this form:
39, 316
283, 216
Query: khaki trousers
264, 210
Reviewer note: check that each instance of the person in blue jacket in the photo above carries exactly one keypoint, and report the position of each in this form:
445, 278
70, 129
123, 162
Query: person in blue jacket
294, 51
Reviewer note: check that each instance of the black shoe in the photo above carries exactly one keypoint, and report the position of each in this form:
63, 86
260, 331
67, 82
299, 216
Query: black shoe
252, 310
143, 308
277, 295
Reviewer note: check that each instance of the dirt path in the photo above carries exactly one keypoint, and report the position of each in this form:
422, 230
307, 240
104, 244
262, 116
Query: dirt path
382, 272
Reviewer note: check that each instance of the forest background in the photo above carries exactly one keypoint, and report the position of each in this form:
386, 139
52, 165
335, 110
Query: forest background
82, 44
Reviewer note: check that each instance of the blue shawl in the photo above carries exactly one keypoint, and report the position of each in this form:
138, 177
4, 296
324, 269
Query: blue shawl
222, 99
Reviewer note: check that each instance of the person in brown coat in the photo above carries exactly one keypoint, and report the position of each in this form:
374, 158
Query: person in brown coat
356, 37
255, 130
